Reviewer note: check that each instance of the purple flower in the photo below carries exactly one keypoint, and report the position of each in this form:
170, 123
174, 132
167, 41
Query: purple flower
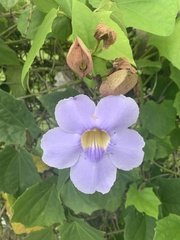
94, 140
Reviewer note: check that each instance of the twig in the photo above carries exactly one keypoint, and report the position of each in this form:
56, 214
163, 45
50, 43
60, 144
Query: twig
166, 169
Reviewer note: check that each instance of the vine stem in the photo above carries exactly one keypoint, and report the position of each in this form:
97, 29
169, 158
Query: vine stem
145, 55
52, 89
166, 169
13, 27
17, 41
141, 90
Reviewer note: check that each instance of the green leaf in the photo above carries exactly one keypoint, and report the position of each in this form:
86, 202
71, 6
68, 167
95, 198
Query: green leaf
17, 170
138, 226
145, 201
88, 203
15, 120
79, 230
169, 194
44, 234
84, 23
99, 66
50, 100
175, 138
121, 48
165, 88
148, 67
169, 46
157, 17
116, 16
39, 39
61, 28
158, 119
164, 147
150, 150
98, 3
80, 202
13, 77
7, 56
8, 4
29, 29
175, 73
177, 103
46, 6
168, 228
63, 176
39, 206
66, 7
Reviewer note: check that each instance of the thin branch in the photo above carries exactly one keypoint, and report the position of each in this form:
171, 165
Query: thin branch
166, 169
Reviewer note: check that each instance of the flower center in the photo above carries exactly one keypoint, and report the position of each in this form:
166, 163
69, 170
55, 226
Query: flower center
94, 143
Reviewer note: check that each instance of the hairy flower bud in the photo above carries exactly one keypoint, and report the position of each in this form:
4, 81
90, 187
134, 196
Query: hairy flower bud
119, 82
106, 34
79, 58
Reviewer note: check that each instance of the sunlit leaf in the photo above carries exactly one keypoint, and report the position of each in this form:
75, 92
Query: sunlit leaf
149, 15
169, 46
168, 228
84, 23
145, 200
98, 3
8, 4
65, 6
39, 39
28, 28
46, 6
121, 48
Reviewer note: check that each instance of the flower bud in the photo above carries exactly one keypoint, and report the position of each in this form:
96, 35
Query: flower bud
106, 34
123, 63
79, 58
119, 82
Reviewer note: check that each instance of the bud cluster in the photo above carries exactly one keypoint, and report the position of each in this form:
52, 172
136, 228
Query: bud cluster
122, 77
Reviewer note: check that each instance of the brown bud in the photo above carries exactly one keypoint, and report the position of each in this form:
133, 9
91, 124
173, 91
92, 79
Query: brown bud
79, 58
123, 63
106, 34
119, 82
